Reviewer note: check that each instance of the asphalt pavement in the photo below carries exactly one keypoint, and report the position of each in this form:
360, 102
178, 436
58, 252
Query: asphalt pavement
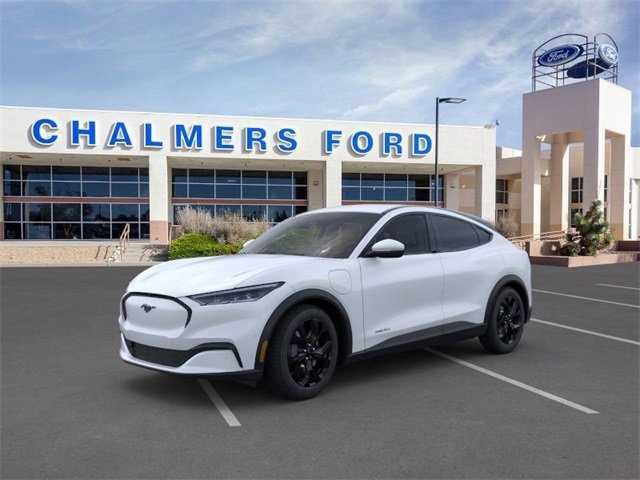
564, 405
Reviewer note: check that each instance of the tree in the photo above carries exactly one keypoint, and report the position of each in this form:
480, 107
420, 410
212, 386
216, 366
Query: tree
592, 233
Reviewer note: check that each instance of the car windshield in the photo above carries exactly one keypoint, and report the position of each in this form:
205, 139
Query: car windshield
330, 234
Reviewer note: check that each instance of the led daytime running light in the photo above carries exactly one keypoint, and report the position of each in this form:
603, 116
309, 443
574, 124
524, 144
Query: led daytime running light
236, 295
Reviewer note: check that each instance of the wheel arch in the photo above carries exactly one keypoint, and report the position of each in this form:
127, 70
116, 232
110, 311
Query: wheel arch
518, 285
317, 298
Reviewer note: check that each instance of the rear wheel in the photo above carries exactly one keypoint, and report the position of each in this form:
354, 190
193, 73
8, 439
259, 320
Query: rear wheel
302, 354
505, 323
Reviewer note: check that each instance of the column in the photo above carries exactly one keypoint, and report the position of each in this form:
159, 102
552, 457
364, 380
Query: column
159, 200
332, 182
485, 191
452, 191
620, 187
593, 166
531, 188
559, 197
315, 189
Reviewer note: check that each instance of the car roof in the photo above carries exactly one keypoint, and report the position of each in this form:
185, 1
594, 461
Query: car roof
384, 208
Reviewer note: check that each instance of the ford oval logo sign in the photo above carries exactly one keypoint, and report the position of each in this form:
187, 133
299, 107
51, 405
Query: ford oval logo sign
560, 55
608, 54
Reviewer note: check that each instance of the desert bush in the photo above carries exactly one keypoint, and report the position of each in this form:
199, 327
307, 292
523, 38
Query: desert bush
234, 229
507, 227
226, 228
195, 220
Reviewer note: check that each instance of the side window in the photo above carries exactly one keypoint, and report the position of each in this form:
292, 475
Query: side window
411, 230
453, 234
483, 235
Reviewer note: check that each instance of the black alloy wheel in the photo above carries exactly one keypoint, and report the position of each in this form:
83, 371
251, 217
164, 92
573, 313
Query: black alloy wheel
505, 324
302, 354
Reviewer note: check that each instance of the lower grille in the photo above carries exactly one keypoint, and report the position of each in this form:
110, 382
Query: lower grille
175, 358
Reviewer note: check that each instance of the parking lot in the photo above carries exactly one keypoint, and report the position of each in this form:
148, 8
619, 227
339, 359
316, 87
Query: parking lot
564, 405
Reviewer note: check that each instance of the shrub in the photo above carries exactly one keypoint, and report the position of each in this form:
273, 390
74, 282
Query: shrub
226, 228
507, 227
195, 220
193, 245
225, 248
592, 233
232, 228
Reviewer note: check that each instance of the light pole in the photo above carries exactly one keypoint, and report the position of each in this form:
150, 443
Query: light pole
438, 102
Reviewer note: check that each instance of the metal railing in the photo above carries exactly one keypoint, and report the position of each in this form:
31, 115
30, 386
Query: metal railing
123, 242
543, 236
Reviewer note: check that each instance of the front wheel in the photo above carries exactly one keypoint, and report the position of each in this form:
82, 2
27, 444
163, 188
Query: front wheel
302, 354
505, 322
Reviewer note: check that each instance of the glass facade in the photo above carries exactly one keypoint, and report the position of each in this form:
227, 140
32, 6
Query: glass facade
388, 187
63, 202
253, 194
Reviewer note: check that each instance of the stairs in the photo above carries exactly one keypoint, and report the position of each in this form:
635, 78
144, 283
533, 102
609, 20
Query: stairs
144, 253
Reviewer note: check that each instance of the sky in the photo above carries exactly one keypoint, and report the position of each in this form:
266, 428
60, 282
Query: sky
358, 60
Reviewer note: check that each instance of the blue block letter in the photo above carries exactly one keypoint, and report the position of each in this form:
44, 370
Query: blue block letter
421, 144
255, 135
355, 142
330, 141
147, 139
89, 131
37, 134
223, 136
286, 141
184, 139
119, 134
392, 140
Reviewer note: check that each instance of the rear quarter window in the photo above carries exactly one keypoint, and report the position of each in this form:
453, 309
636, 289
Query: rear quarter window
454, 234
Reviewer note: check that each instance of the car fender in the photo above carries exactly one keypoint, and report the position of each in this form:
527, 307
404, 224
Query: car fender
510, 280
316, 297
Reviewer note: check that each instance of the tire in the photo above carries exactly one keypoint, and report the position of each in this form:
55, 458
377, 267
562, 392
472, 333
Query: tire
302, 354
505, 322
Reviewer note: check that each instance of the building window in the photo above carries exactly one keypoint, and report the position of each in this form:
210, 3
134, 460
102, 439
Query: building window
75, 202
387, 187
252, 194
606, 188
271, 213
502, 191
576, 189
501, 213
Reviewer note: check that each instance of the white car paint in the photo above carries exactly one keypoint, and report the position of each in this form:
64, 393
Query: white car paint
385, 300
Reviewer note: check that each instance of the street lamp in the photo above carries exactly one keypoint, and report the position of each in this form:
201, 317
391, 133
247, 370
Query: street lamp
438, 102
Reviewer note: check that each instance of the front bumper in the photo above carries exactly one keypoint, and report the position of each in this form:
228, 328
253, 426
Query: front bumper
178, 335
219, 360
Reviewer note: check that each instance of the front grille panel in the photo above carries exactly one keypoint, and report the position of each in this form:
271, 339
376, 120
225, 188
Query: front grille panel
175, 358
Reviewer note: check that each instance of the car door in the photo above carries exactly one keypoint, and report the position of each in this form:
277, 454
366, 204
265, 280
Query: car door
402, 296
468, 262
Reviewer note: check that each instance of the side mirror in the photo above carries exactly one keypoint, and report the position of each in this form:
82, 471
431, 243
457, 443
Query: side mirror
248, 242
387, 248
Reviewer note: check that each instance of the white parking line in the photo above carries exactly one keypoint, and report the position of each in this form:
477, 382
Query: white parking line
616, 286
516, 383
225, 411
589, 332
587, 298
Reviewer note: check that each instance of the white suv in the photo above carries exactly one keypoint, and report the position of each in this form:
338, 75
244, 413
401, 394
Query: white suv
329, 286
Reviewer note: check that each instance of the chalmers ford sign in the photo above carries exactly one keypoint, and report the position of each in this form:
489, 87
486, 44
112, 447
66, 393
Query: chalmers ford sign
46, 132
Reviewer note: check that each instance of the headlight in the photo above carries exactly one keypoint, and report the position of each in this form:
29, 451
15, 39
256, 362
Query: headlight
236, 295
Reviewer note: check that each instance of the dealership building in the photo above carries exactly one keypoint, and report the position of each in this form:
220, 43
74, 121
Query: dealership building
85, 174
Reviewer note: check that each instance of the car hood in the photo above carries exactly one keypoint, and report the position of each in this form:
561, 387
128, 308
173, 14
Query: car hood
179, 278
